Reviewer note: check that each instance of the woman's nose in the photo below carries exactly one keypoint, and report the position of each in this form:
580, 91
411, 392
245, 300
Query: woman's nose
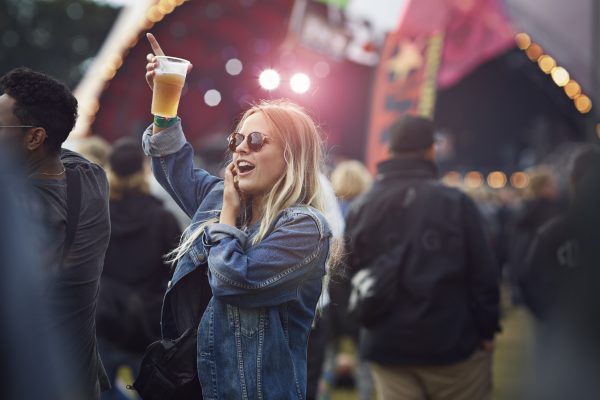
242, 147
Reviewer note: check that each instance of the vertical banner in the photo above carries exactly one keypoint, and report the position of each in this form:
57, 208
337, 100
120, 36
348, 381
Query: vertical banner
405, 83
437, 43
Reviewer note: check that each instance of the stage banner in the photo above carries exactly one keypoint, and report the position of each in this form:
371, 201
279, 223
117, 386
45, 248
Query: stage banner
405, 83
436, 44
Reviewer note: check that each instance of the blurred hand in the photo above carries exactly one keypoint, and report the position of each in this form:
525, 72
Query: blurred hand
487, 345
232, 198
151, 58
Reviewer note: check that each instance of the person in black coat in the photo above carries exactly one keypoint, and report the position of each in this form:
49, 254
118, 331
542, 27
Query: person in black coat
437, 338
135, 273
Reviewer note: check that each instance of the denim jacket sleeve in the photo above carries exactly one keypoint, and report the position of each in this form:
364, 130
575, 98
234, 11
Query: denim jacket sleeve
270, 272
173, 167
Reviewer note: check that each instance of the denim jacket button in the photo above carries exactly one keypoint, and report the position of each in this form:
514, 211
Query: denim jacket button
201, 258
169, 284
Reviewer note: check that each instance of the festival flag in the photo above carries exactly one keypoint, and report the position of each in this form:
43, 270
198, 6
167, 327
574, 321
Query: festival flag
436, 44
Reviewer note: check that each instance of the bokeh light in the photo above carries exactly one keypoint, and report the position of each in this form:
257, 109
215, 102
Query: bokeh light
234, 66
534, 52
519, 180
523, 40
560, 76
212, 97
572, 89
300, 82
473, 179
321, 69
452, 178
496, 180
546, 63
269, 79
583, 103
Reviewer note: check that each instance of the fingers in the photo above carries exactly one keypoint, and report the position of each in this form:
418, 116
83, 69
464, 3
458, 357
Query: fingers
150, 79
152, 64
231, 176
154, 44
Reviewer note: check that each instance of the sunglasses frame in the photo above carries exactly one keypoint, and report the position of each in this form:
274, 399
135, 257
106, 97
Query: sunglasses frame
254, 147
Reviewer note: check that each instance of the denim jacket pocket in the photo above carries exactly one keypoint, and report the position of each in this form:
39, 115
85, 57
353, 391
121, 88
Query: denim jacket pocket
247, 321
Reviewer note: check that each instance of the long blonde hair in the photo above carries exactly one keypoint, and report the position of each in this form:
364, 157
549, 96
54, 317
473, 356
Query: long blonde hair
299, 184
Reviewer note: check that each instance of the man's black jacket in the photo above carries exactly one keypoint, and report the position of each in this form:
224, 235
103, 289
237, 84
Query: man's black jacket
448, 288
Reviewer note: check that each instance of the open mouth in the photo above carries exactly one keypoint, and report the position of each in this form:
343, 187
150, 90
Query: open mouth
244, 167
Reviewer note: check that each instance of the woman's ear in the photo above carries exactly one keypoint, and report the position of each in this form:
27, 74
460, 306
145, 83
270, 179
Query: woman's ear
35, 138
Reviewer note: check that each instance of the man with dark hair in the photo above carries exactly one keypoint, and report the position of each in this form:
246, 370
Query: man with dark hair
437, 339
70, 205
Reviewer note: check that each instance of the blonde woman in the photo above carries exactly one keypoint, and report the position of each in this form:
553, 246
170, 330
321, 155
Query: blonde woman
260, 238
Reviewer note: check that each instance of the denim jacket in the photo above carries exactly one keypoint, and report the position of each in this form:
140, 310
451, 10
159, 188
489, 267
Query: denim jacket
253, 335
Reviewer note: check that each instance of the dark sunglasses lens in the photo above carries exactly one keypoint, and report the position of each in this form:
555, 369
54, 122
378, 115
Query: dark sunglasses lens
234, 140
255, 141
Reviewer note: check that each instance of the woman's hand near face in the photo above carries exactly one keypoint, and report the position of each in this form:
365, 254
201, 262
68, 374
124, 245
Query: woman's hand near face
232, 200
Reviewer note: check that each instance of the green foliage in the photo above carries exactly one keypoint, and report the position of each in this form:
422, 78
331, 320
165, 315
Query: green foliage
58, 37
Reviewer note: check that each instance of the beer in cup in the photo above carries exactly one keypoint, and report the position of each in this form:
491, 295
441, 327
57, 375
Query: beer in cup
168, 82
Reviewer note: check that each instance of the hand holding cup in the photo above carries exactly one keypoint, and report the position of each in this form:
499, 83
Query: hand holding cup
166, 77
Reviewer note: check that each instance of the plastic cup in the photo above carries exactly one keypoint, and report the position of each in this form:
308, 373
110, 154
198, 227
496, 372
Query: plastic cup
168, 82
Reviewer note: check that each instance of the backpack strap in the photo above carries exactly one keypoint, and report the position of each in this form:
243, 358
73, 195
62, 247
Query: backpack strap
73, 208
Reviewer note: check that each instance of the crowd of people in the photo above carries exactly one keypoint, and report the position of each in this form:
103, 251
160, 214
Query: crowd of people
268, 266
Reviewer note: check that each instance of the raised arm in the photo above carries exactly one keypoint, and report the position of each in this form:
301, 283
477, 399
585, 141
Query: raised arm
172, 156
173, 167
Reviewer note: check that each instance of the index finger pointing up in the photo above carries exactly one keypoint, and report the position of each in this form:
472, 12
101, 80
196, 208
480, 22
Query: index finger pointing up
154, 44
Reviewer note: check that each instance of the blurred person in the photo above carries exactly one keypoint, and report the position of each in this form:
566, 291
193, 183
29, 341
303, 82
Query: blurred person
22, 308
260, 238
323, 326
95, 149
37, 114
541, 203
560, 285
436, 341
554, 251
507, 203
135, 273
349, 179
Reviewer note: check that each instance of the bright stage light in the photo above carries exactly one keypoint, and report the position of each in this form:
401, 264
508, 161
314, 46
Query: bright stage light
300, 83
269, 79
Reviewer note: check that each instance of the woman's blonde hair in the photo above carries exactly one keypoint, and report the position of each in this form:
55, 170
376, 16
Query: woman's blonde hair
299, 135
349, 179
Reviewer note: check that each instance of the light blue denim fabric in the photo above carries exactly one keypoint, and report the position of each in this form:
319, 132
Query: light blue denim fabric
253, 336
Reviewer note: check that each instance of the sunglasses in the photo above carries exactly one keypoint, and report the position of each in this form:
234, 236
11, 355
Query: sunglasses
255, 140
